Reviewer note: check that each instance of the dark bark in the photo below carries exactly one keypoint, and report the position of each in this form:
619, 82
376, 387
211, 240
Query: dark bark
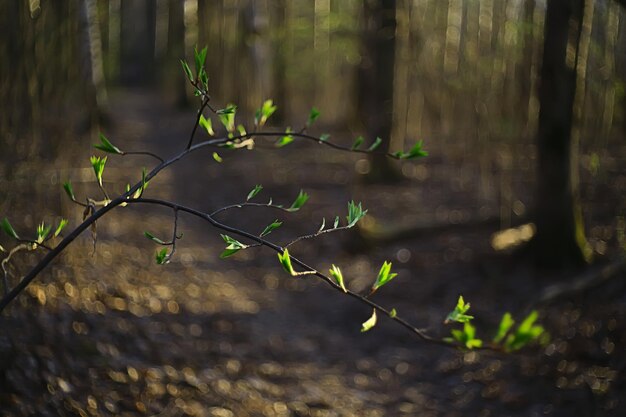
137, 41
176, 49
376, 75
559, 240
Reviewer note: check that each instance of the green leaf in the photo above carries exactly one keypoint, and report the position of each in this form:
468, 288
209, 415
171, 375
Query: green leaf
233, 247
8, 229
285, 140
336, 222
393, 313
355, 213
98, 167
204, 78
526, 333
371, 322
384, 276
42, 232
313, 115
217, 157
357, 142
299, 201
467, 336
144, 184
323, 225
273, 226
505, 325
207, 125
335, 272
200, 58
107, 146
241, 130
458, 314
227, 117
324, 137
161, 256
67, 186
267, 109
285, 261
375, 145
60, 227
416, 151
257, 188
153, 238
2, 249
186, 69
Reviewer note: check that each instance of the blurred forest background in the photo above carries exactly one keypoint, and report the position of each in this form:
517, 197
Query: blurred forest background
463, 75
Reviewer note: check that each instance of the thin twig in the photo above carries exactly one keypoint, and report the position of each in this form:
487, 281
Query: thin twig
143, 153
205, 102
308, 269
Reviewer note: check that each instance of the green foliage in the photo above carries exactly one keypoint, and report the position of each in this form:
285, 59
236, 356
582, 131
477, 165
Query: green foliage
207, 125
384, 276
217, 157
200, 59
161, 256
299, 201
227, 117
355, 213
233, 246
467, 336
187, 70
257, 189
264, 113
60, 227
375, 145
458, 314
67, 186
98, 167
153, 238
285, 261
357, 143
285, 140
324, 137
8, 229
503, 328
107, 146
144, 184
415, 152
369, 323
525, 333
313, 115
43, 231
269, 228
393, 313
335, 272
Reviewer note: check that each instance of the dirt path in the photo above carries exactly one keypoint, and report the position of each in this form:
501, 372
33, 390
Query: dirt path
114, 334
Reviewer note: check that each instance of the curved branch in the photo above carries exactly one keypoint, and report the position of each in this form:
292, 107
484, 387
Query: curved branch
310, 270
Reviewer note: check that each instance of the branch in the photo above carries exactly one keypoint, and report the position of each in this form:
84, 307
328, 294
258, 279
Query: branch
310, 270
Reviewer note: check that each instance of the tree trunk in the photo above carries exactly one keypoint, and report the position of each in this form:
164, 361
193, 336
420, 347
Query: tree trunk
176, 50
137, 41
560, 238
376, 74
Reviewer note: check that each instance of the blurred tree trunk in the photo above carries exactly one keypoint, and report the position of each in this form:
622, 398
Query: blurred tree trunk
137, 41
176, 49
375, 81
278, 14
560, 238
93, 67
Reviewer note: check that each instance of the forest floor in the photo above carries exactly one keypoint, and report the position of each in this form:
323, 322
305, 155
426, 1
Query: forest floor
112, 334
